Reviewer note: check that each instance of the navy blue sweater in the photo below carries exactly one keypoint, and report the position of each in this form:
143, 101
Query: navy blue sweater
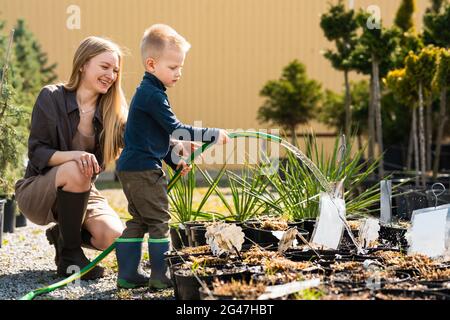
150, 125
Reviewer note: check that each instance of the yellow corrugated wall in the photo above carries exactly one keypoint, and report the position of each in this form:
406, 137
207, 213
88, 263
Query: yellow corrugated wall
237, 45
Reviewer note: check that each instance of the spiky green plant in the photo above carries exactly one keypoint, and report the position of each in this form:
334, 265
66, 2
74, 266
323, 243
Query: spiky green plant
295, 192
246, 190
181, 199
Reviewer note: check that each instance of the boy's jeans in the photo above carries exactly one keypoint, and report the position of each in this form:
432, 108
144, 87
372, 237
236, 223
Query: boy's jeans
148, 204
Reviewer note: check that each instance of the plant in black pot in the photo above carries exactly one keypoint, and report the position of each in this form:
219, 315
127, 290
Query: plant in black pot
192, 276
295, 192
267, 230
184, 212
246, 189
234, 290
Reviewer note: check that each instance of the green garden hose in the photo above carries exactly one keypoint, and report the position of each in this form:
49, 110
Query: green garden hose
32, 294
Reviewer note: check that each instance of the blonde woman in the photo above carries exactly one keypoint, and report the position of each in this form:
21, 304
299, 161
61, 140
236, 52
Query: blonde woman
76, 129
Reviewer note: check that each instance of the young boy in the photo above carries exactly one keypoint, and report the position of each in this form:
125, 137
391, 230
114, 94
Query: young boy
150, 125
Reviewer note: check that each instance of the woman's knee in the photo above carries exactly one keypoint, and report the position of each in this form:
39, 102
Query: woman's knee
106, 238
104, 233
71, 179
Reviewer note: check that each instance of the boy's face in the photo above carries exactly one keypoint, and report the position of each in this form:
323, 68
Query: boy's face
167, 68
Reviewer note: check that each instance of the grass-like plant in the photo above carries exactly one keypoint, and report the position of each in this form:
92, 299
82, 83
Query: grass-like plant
295, 190
181, 198
244, 205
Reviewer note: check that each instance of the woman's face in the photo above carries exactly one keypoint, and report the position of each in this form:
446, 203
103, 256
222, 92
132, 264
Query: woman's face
101, 72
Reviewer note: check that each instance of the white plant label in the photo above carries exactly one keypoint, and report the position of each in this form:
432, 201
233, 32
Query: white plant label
224, 237
329, 227
385, 201
273, 292
287, 239
368, 232
429, 232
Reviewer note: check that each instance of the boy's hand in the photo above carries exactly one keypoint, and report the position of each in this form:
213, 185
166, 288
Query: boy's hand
185, 148
223, 137
186, 168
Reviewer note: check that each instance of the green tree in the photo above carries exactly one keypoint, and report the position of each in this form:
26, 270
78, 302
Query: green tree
436, 6
405, 92
441, 83
290, 100
381, 44
421, 70
339, 26
28, 71
404, 17
332, 110
31, 69
437, 27
12, 135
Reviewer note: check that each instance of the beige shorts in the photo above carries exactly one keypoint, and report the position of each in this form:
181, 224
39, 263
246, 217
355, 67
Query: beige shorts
36, 199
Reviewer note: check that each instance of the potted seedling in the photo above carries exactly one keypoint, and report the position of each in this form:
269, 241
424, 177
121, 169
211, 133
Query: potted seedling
183, 213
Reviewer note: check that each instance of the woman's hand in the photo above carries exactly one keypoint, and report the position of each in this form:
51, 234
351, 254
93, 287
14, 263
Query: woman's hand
87, 162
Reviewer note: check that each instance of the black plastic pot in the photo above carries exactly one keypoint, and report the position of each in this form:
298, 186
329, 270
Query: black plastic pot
411, 294
2, 210
413, 199
21, 220
198, 236
395, 236
325, 255
438, 285
9, 222
346, 241
205, 296
189, 225
309, 225
442, 199
187, 287
178, 238
343, 277
265, 237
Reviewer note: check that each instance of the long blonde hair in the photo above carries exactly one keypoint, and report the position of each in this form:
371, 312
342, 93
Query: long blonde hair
112, 104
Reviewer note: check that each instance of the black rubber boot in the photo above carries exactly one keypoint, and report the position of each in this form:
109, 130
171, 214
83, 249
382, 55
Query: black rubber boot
52, 235
71, 209
86, 240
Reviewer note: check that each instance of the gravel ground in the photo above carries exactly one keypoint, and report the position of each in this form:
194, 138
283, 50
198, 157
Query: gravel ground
27, 263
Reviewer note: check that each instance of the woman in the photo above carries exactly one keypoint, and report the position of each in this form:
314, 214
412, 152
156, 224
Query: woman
76, 130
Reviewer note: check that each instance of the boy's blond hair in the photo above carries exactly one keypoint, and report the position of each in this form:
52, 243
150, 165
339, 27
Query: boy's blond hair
157, 38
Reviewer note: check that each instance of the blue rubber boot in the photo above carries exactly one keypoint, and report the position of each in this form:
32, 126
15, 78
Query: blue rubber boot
158, 277
128, 253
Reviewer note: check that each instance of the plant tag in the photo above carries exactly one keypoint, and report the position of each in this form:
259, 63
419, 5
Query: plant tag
287, 239
273, 292
278, 234
385, 202
224, 237
429, 232
329, 227
369, 232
